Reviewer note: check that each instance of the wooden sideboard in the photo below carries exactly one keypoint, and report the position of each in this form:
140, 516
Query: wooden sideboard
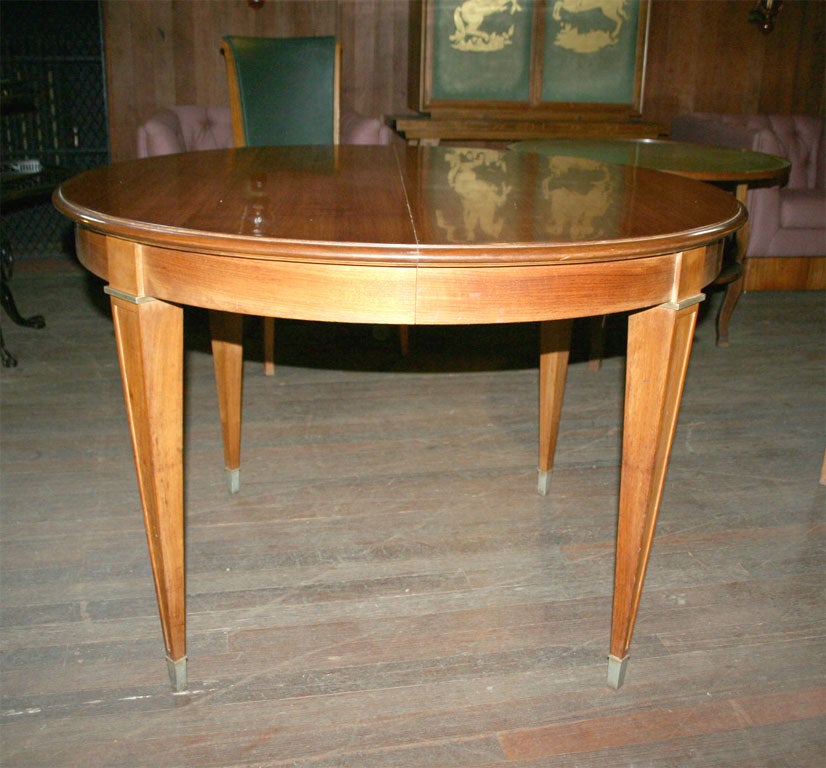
422, 129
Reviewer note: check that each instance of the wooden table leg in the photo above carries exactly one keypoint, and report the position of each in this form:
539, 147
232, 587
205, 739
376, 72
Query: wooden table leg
659, 344
227, 331
734, 288
268, 334
554, 348
596, 342
149, 337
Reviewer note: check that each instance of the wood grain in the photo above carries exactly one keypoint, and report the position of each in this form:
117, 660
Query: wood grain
382, 597
150, 344
447, 247
785, 273
678, 723
164, 52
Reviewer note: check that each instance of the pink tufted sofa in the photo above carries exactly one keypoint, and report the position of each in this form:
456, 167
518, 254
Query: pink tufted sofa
787, 224
189, 128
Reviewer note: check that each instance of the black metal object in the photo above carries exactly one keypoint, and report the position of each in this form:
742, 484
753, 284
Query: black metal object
53, 112
8, 303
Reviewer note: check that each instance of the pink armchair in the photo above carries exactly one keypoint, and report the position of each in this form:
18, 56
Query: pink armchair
787, 225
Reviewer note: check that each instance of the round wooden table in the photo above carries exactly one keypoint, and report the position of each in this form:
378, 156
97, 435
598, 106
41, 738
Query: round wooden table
732, 168
423, 235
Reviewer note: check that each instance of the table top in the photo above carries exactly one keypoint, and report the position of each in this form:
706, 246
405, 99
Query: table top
697, 161
402, 206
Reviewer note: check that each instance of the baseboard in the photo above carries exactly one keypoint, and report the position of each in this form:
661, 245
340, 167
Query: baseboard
785, 273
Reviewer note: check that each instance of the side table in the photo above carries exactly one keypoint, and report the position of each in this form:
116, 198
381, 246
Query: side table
733, 169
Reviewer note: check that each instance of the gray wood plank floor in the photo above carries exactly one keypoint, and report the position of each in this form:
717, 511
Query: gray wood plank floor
388, 589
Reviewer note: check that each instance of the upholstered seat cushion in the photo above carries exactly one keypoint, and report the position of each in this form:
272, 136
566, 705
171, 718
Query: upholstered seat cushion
800, 207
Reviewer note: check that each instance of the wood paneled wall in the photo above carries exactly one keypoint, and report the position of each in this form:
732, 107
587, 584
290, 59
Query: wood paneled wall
164, 52
703, 55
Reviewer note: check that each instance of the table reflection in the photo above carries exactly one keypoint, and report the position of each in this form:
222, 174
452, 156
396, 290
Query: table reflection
480, 198
480, 179
579, 198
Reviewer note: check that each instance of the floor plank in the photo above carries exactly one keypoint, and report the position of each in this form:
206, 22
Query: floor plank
387, 589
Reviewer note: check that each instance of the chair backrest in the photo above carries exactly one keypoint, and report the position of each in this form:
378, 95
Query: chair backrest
283, 90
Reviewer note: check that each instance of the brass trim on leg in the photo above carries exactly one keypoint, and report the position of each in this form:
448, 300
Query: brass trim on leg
616, 671
544, 482
687, 302
127, 296
177, 673
233, 479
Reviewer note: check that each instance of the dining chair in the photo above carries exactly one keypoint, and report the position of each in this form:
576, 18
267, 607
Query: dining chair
283, 91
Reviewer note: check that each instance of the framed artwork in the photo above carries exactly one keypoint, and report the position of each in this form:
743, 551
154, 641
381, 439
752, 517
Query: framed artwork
529, 58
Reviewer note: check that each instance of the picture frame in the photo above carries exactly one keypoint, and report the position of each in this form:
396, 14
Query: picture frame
529, 59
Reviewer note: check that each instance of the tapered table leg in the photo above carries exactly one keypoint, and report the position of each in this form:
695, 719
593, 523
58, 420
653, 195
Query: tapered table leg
659, 344
149, 337
228, 357
554, 348
268, 331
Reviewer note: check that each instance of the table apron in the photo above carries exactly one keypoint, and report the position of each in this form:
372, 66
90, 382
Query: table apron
398, 294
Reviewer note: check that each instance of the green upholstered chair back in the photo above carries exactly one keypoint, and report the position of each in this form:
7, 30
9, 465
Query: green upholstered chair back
283, 91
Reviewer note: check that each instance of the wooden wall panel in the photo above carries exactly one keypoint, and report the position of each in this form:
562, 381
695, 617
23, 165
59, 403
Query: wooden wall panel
795, 61
374, 36
703, 55
164, 52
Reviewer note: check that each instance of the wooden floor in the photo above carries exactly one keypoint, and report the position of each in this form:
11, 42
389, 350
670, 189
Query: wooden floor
388, 589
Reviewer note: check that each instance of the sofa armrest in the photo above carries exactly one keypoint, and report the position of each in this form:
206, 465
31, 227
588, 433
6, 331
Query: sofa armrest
358, 129
185, 128
161, 135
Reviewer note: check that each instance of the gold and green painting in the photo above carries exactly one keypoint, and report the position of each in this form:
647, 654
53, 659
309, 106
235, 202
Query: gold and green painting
533, 52
482, 49
590, 51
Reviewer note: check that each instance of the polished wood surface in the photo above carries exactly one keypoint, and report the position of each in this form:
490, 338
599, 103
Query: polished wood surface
428, 206
153, 390
694, 161
737, 169
414, 236
784, 273
426, 130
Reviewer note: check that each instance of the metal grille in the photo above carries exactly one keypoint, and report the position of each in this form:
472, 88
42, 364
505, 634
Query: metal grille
51, 66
